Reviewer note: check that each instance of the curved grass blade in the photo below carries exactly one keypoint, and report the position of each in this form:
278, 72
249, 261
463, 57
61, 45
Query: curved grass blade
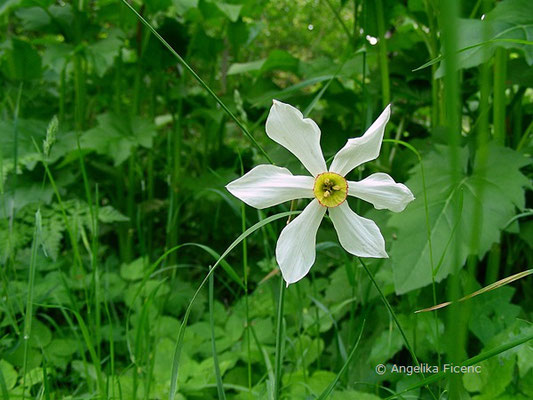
501, 40
181, 332
471, 361
325, 394
396, 321
492, 286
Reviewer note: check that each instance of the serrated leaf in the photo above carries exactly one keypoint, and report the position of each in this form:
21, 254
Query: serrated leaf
108, 214
103, 52
496, 189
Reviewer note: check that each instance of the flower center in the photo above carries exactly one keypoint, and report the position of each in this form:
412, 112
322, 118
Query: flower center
330, 189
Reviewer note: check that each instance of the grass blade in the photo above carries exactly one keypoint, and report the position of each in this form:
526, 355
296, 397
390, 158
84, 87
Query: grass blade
325, 394
200, 81
220, 386
279, 341
492, 286
181, 332
471, 361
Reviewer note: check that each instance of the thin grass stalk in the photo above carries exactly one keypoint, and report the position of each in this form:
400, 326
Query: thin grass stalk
95, 283
471, 361
395, 319
326, 393
455, 332
499, 99
246, 304
433, 50
279, 341
382, 54
218, 375
28, 315
79, 265
340, 21
200, 81
181, 332
430, 240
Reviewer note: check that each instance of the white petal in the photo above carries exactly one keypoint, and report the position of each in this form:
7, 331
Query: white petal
296, 247
301, 136
268, 185
381, 190
359, 236
362, 149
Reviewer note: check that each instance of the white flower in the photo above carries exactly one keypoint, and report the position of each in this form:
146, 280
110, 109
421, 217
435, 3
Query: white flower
268, 185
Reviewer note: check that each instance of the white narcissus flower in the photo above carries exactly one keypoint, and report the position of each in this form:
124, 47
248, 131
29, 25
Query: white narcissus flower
269, 185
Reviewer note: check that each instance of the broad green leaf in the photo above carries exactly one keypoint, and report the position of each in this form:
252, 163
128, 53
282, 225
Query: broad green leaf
241, 68
231, 11
300, 387
280, 60
509, 25
513, 19
493, 190
8, 4
104, 51
9, 373
496, 373
354, 395
21, 61
117, 136
134, 270
33, 18
182, 6
493, 313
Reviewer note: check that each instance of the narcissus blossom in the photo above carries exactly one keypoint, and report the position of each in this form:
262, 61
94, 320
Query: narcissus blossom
269, 185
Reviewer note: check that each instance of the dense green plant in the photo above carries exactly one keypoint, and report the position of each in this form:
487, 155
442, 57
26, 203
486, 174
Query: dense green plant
115, 149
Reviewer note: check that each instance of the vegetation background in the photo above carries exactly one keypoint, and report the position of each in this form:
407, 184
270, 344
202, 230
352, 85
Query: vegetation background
113, 162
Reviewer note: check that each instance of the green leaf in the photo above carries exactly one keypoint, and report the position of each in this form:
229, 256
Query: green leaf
21, 62
104, 51
493, 190
493, 313
509, 25
353, 394
182, 6
299, 387
231, 11
280, 60
117, 136
108, 214
241, 68
40, 335
496, 373
9, 373
134, 270
33, 18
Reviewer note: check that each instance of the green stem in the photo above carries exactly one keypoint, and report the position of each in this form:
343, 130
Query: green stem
279, 341
383, 59
218, 376
200, 81
500, 73
395, 319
